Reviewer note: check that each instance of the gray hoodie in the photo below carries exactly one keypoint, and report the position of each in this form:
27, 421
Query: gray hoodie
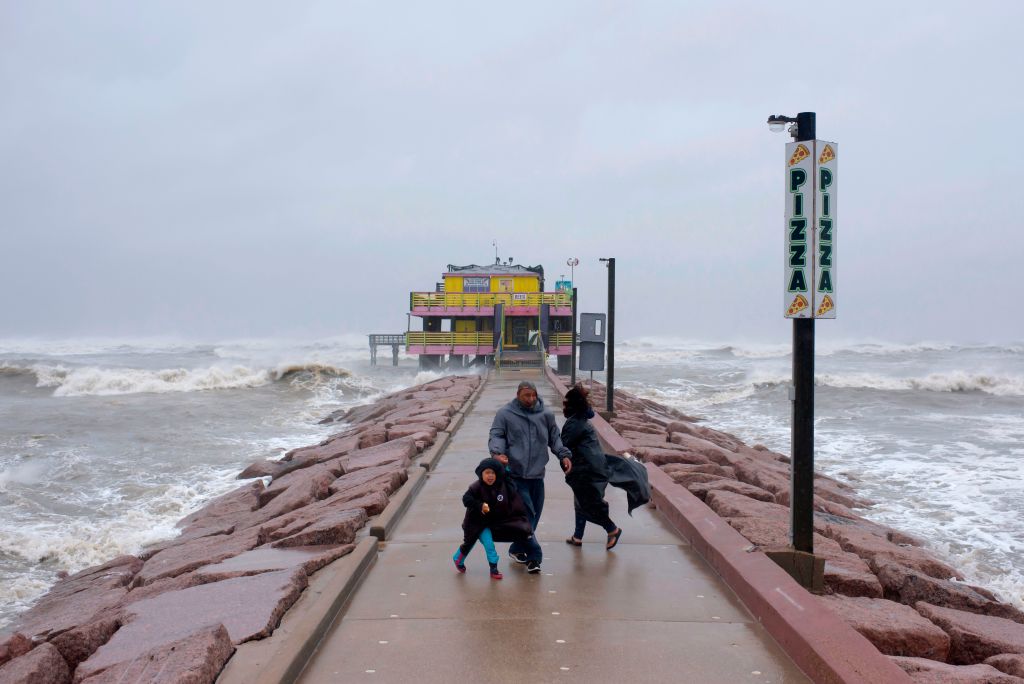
525, 435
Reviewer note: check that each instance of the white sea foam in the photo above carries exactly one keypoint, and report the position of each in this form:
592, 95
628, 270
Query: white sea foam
72, 543
101, 381
110, 381
952, 381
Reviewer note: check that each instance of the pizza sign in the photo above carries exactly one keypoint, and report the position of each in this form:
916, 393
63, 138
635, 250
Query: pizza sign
810, 274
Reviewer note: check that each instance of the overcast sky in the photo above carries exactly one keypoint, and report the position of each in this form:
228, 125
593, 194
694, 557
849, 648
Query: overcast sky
269, 169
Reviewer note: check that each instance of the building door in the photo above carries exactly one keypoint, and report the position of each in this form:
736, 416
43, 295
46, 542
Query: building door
520, 331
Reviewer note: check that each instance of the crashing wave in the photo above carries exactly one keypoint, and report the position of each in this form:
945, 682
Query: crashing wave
97, 381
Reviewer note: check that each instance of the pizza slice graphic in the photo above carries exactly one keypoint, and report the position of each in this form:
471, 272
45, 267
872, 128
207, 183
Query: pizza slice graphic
827, 155
826, 306
798, 305
799, 154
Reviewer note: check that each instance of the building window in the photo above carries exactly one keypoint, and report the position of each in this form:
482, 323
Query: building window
505, 285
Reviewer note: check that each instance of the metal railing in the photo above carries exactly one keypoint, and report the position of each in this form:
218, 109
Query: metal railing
562, 339
471, 300
450, 339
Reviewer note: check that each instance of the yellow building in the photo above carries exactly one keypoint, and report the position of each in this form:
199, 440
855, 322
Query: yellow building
497, 314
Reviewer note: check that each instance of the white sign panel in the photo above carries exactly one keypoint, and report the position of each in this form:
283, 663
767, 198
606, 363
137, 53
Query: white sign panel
827, 154
810, 229
799, 233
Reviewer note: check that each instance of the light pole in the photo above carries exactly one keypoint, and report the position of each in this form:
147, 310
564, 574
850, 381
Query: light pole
802, 128
572, 263
610, 388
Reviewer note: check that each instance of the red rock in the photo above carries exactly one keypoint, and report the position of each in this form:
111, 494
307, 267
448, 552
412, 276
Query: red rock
76, 645
726, 485
686, 479
848, 575
377, 435
307, 486
315, 480
418, 431
774, 534
186, 557
361, 414
975, 637
732, 505
263, 468
924, 671
319, 453
719, 439
399, 451
645, 439
309, 559
844, 573
42, 665
1008, 663
437, 419
763, 473
909, 586
876, 550
622, 425
666, 456
14, 645
713, 469
387, 478
74, 601
223, 512
332, 528
893, 628
248, 607
697, 445
195, 659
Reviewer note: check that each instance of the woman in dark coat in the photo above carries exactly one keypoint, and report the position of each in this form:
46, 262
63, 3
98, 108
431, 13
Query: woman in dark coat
589, 475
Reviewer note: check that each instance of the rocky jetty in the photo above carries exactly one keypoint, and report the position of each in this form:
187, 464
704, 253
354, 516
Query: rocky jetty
909, 603
176, 611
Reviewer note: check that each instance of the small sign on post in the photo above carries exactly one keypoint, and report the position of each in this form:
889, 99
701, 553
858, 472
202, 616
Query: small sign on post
810, 268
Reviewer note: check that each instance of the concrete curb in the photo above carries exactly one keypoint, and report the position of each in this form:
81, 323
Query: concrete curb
282, 656
429, 458
827, 649
385, 523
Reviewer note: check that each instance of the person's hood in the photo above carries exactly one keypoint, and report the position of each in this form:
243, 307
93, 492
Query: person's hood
587, 414
519, 408
495, 465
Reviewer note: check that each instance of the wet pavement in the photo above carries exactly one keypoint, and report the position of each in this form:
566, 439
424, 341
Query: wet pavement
651, 610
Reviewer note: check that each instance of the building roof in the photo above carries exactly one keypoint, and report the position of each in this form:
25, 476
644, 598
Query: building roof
495, 269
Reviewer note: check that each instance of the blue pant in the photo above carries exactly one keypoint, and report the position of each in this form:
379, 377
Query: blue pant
487, 540
532, 493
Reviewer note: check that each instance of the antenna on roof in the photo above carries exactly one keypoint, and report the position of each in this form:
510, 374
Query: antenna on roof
495, 244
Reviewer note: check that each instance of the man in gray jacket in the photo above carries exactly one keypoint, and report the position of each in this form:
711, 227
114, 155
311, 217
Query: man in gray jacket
521, 434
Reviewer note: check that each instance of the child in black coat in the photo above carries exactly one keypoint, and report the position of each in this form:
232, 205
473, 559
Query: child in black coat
494, 512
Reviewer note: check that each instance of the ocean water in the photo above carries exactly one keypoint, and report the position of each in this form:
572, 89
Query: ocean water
933, 433
105, 444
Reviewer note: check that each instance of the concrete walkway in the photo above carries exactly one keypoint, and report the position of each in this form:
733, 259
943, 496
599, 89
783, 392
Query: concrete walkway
649, 611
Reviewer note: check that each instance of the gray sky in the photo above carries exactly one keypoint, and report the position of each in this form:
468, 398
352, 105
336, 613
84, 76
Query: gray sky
243, 169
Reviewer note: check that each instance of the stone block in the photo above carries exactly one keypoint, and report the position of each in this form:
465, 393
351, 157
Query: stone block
195, 659
42, 665
975, 637
894, 629
924, 671
248, 607
910, 586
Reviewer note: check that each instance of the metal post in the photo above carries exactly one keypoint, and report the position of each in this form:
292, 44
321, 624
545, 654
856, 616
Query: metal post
802, 494
572, 373
610, 389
